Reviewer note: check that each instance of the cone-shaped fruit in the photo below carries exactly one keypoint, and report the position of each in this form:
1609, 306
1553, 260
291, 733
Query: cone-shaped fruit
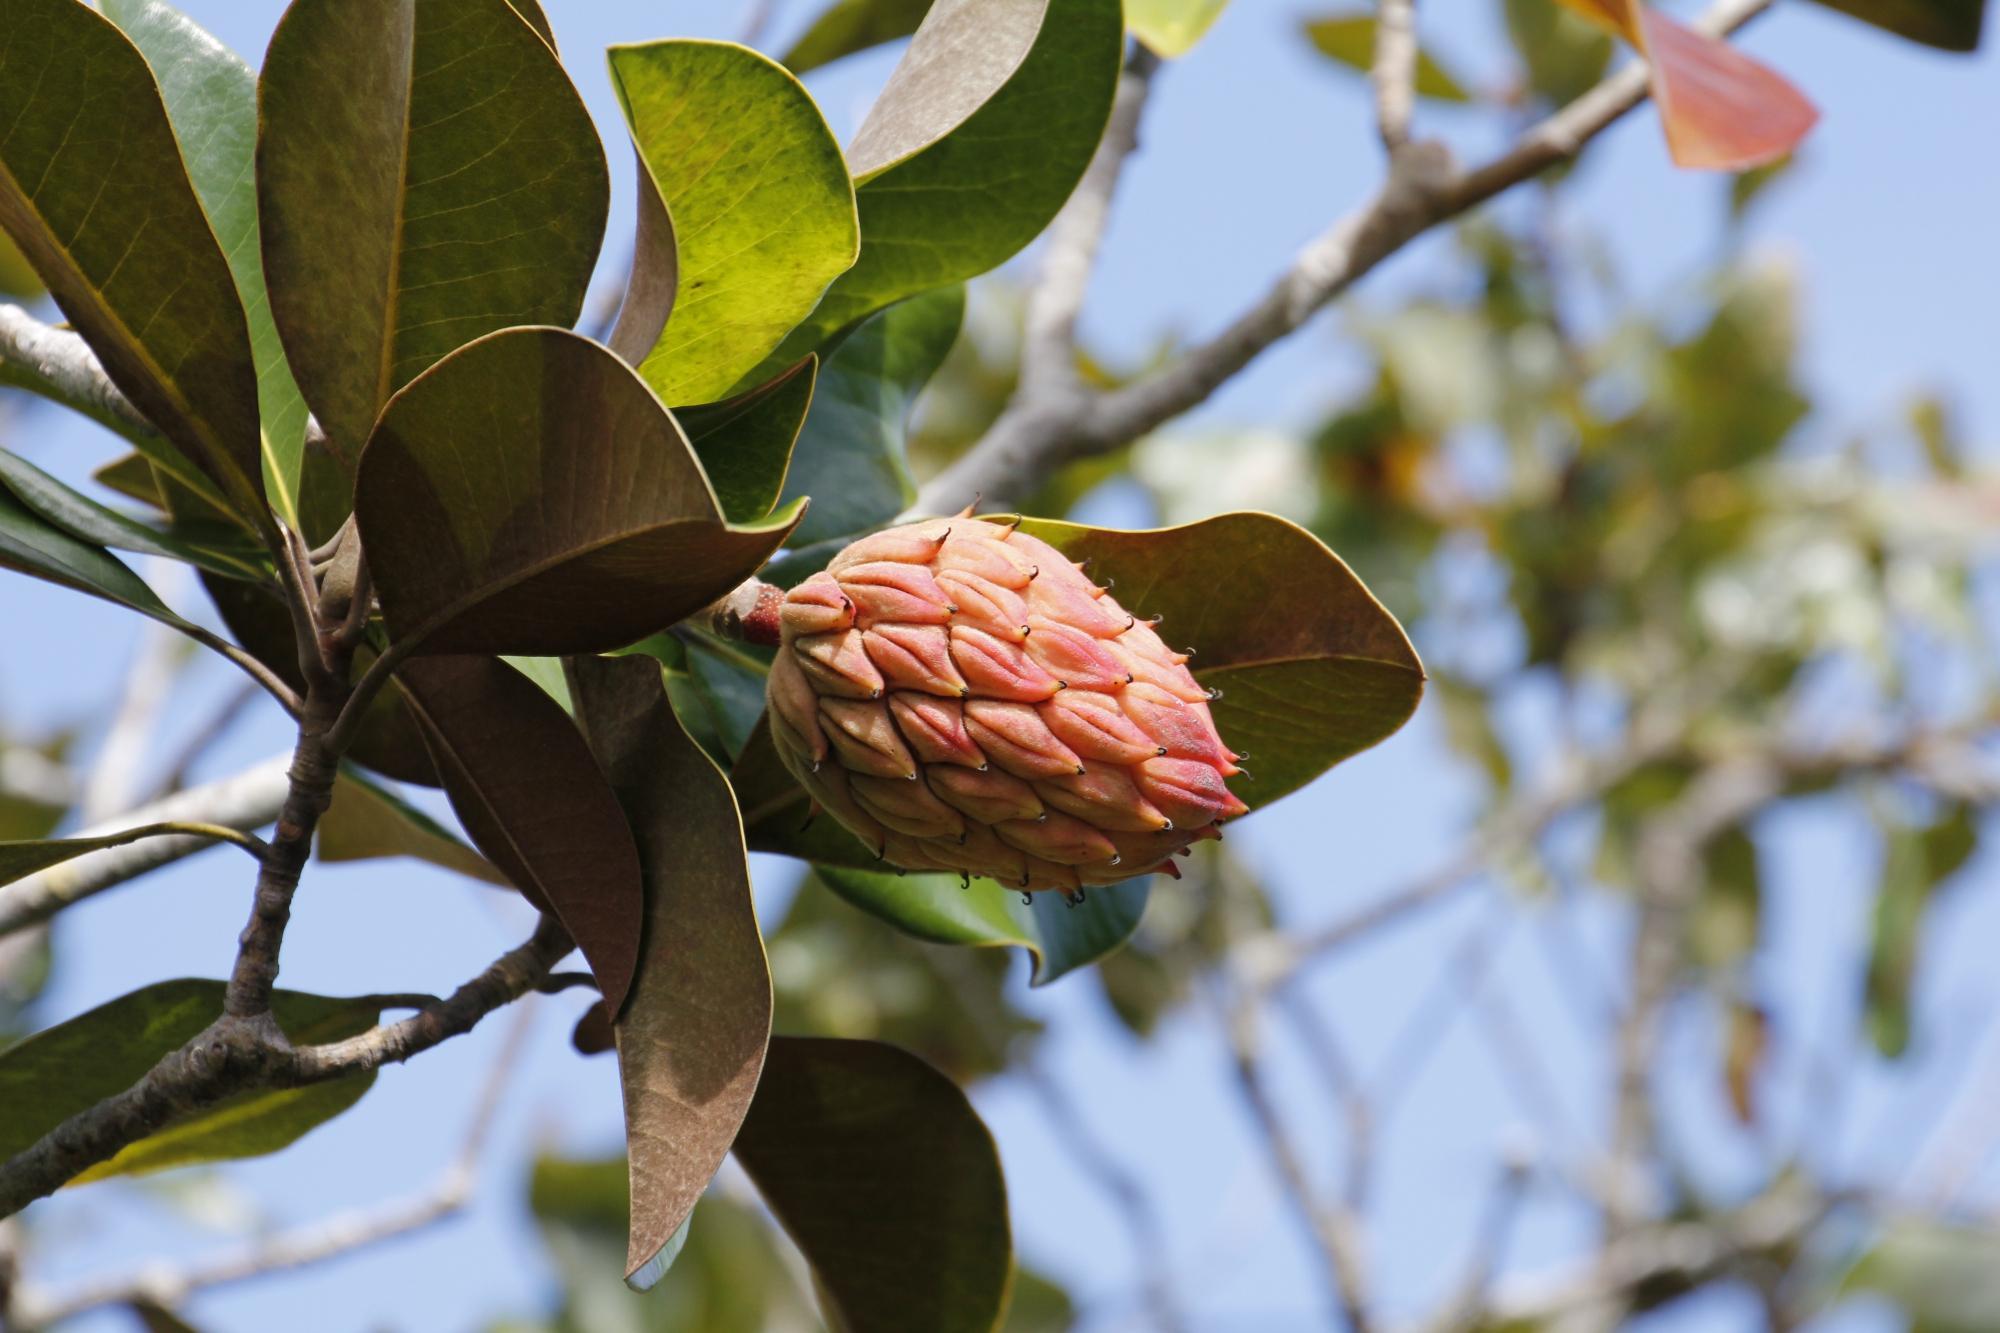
960, 696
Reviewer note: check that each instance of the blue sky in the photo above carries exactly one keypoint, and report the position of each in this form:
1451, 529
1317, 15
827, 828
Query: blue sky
1254, 144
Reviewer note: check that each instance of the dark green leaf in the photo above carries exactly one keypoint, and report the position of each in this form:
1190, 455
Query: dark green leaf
691, 1041
1950, 25
427, 174
19, 859
74, 1065
976, 142
848, 26
528, 495
763, 213
115, 230
33, 547
745, 443
1349, 39
367, 820
211, 99
530, 796
90, 521
882, 1172
850, 456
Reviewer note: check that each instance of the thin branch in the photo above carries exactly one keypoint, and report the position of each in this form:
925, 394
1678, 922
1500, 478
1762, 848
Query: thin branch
1038, 433
235, 1055
1048, 348
58, 365
1394, 72
247, 800
330, 1238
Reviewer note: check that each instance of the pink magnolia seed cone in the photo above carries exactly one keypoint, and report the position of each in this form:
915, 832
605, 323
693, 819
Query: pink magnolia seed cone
961, 697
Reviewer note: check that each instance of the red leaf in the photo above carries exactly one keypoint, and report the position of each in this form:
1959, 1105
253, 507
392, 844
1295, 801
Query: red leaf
1722, 110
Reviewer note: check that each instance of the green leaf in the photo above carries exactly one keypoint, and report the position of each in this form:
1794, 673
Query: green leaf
18, 278
211, 99
1722, 930
1915, 862
84, 518
427, 174
1943, 1277
977, 140
21, 858
1310, 667
529, 495
1950, 25
881, 1171
691, 1041
32, 546
367, 821
1172, 27
850, 453
531, 14
1060, 937
71, 1067
115, 230
531, 797
745, 443
1564, 55
729, 677
849, 26
1349, 39
763, 213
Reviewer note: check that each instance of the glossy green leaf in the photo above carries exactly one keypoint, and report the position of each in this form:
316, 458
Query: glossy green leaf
848, 26
938, 908
529, 495
1950, 25
884, 1175
211, 99
427, 174
31, 546
745, 443
691, 1041
367, 821
120, 238
74, 1065
982, 132
1172, 27
1311, 669
763, 213
531, 797
1349, 39
850, 456
84, 518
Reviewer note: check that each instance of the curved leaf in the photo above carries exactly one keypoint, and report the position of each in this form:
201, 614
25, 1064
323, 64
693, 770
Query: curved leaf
72, 1066
763, 213
850, 453
533, 799
211, 100
427, 174
654, 278
691, 1041
745, 443
848, 26
881, 1171
32, 546
976, 142
93, 190
83, 517
1311, 668
529, 495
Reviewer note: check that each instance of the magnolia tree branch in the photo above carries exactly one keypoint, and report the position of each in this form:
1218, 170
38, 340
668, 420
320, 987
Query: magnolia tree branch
232, 1057
1039, 432
249, 800
59, 365
1394, 72
169, 1285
